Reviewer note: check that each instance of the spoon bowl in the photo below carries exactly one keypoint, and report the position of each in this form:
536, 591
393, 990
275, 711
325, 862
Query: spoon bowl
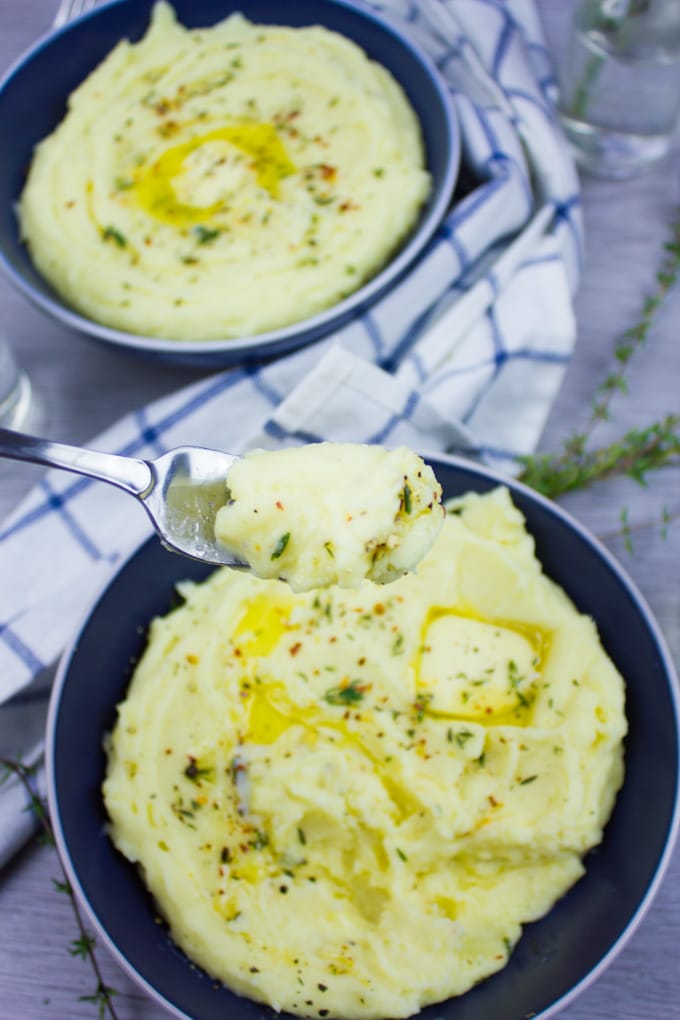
181, 490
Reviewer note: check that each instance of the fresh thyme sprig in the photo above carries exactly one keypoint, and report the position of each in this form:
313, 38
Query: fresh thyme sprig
626, 529
639, 451
84, 945
636, 337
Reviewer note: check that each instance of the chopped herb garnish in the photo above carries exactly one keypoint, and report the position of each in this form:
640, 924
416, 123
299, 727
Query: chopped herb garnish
280, 546
301, 836
406, 498
462, 737
529, 779
328, 546
112, 234
401, 854
347, 694
205, 234
420, 706
260, 841
196, 772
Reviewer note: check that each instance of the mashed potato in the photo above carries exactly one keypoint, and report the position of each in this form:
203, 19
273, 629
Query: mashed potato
331, 513
223, 181
347, 803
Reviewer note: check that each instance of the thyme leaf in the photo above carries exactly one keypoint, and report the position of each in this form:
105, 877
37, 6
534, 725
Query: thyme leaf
280, 546
85, 944
346, 694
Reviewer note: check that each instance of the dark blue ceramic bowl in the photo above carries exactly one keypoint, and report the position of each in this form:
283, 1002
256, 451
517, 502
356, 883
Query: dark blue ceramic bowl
557, 956
33, 101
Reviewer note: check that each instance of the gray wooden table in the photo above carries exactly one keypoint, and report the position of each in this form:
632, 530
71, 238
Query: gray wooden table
80, 388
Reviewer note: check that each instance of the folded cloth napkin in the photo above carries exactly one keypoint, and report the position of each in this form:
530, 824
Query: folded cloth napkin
465, 354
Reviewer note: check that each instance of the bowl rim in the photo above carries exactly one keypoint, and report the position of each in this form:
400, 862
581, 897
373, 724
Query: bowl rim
489, 474
294, 334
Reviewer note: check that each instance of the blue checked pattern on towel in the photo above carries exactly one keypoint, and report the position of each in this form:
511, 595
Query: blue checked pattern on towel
466, 354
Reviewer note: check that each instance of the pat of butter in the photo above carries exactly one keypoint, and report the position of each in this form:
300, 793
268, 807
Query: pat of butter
473, 669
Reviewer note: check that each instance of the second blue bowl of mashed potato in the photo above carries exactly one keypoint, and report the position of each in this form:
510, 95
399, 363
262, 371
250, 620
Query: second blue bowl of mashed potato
208, 182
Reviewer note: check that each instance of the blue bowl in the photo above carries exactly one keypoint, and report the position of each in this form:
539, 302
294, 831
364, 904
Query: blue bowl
557, 957
33, 98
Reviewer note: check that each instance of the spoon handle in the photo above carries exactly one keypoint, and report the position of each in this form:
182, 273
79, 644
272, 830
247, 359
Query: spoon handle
135, 476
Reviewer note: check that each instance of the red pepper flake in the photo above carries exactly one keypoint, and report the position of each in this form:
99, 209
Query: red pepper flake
327, 172
294, 649
279, 505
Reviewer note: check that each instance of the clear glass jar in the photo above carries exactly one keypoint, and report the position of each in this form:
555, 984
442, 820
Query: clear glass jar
620, 84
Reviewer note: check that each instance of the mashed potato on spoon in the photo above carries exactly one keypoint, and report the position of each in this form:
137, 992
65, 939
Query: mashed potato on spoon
331, 513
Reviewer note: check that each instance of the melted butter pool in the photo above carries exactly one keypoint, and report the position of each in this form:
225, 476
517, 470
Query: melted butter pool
192, 181
477, 669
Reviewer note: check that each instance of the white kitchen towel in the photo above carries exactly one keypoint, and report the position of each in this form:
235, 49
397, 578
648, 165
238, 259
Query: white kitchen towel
465, 354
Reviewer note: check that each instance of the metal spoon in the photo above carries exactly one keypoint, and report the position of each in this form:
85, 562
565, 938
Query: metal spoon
181, 490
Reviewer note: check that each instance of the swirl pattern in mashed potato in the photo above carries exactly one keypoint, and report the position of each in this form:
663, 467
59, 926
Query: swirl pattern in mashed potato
346, 803
225, 181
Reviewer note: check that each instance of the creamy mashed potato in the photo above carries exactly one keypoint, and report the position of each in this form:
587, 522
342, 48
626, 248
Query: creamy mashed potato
331, 513
347, 803
223, 181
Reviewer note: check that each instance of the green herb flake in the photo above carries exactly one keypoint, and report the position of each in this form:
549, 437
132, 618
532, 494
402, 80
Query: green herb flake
462, 737
328, 546
280, 546
401, 854
260, 841
196, 772
346, 694
112, 234
406, 502
529, 779
204, 235
420, 706
398, 645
